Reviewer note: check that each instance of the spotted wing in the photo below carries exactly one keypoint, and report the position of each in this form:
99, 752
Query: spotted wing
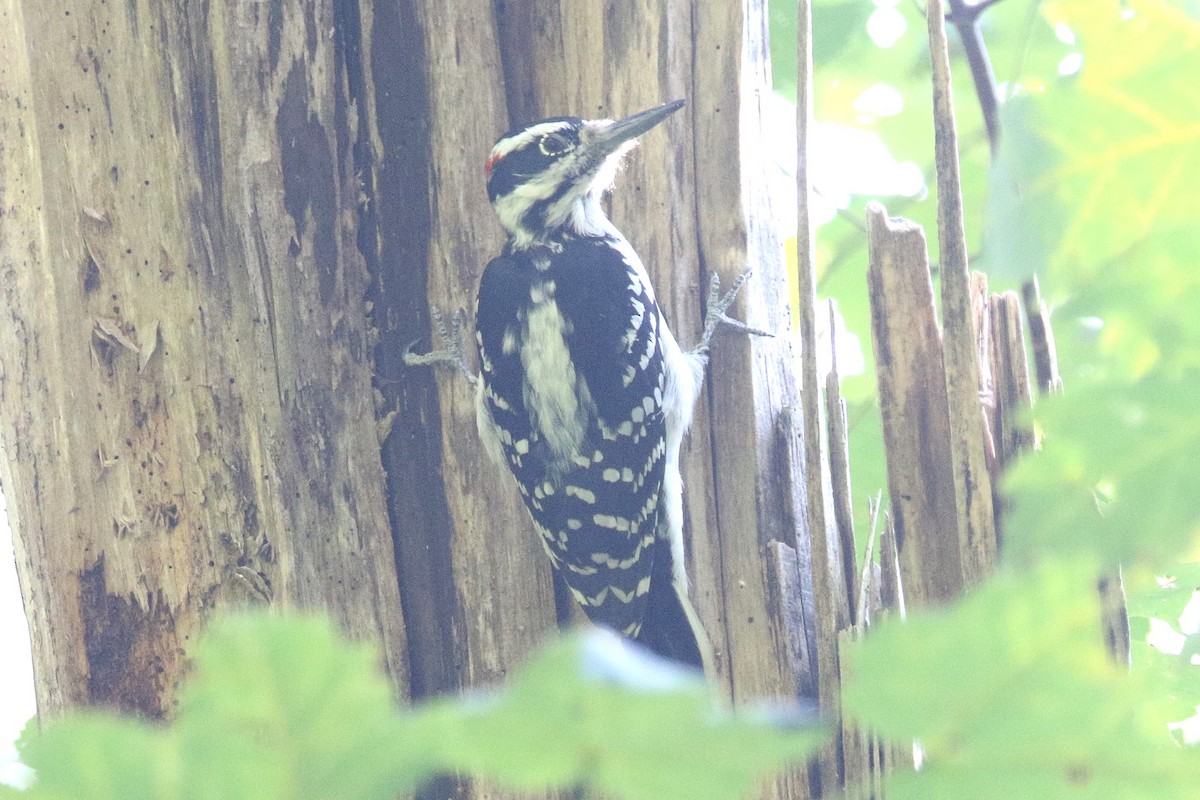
597, 511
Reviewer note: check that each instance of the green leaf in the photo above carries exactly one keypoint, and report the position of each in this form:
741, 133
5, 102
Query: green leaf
1010, 694
593, 711
1176, 679
999, 781
281, 707
1166, 596
837, 25
1115, 481
98, 756
277, 708
1143, 300
1161, 600
1100, 161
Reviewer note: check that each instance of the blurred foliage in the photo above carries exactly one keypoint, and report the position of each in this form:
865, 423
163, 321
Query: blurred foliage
594, 711
275, 708
1116, 482
1110, 151
279, 707
1093, 191
1025, 703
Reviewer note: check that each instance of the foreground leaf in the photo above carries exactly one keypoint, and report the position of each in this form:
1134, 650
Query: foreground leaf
98, 756
1010, 694
1100, 161
277, 708
282, 707
594, 711
1116, 480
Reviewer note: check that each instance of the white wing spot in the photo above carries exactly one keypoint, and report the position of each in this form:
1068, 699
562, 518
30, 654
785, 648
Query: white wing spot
605, 521
625, 597
586, 495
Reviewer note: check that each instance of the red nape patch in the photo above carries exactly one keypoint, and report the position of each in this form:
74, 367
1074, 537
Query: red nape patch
491, 162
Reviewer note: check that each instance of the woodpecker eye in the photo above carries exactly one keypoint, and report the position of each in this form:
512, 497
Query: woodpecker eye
555, 144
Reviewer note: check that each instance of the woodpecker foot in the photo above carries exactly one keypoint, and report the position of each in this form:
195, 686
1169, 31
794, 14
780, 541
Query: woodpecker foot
715, 317
449, 336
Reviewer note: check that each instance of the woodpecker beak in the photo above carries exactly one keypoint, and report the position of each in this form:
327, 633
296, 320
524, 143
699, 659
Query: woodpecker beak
612, 136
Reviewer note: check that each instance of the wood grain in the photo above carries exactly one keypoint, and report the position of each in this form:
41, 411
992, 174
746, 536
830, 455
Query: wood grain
912, 401
188, 419
972, 479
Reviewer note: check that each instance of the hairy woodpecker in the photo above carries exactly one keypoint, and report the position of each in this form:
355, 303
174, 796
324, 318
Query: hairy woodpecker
584, 392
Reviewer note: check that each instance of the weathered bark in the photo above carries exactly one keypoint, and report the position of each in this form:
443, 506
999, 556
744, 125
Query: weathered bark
187, 416
474, 578
972, 479
690, 201
1041, 335
826, 484
688, 214
555, 58
1011, 392
759, 470
912, 399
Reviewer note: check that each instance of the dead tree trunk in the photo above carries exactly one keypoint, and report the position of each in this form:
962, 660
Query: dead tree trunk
223, 223
691, 201
186, 411
688, 214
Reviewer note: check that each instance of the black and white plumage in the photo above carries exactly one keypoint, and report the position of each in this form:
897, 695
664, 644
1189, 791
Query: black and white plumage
584, 392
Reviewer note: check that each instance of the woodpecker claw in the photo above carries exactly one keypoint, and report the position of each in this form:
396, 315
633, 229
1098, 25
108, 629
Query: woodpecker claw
451, 352
715, 317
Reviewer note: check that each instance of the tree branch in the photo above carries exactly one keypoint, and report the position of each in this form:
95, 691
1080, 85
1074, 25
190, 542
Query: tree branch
965, 18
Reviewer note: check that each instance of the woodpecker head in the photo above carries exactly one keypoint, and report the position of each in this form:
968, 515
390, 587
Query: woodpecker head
548, 177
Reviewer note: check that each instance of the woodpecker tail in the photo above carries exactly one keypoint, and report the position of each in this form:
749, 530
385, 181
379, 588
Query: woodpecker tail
671, 627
